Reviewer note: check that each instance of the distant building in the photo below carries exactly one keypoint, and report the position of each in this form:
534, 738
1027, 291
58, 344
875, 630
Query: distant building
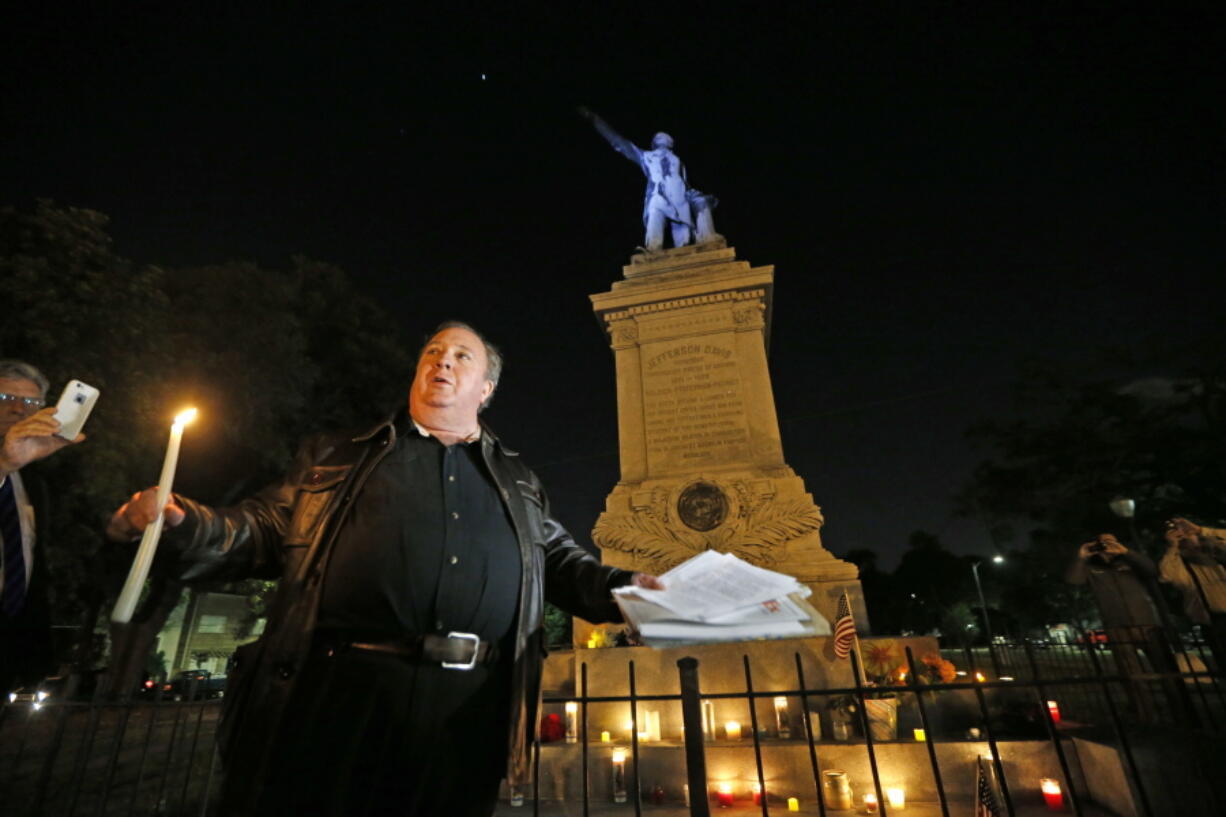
204, 629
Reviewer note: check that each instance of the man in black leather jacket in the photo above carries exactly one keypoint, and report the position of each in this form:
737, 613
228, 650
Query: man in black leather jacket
399, 672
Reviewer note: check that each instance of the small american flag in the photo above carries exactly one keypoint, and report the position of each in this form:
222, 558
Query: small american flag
844, 628
986, 804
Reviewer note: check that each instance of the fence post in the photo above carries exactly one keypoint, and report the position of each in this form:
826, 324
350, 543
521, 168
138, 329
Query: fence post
691, 718
929, 733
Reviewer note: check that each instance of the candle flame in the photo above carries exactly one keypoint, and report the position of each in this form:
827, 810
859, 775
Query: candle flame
185, 417
1049, 786
725, 788
619, 755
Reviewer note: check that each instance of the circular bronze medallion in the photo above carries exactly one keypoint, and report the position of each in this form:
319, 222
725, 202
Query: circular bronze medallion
702, 506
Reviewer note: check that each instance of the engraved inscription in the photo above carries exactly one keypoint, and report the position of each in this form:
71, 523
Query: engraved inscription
694, 410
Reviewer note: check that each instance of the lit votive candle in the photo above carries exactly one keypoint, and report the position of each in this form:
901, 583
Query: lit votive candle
605, 737
619, 775
793, 804
1053, 795
920, 734
1054, 709
732, 730
756, 787
723, 795
870, 804
896, 797
572, 720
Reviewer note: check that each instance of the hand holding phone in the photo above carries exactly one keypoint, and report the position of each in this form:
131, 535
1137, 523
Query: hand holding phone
74, 407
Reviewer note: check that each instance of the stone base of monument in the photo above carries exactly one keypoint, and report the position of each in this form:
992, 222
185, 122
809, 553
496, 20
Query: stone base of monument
787, 766
701, 457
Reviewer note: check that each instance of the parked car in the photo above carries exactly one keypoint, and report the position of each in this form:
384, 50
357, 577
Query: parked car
41, 694
194, 685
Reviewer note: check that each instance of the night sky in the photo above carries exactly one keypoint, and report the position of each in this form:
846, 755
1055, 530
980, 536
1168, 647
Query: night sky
945, 191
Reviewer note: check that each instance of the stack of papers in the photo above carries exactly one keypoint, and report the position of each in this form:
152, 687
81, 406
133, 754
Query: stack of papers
717, 597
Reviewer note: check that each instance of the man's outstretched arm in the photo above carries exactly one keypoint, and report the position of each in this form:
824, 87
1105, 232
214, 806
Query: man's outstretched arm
620, 143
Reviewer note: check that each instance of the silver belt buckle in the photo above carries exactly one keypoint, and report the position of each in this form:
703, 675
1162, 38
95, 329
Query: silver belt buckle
472, 662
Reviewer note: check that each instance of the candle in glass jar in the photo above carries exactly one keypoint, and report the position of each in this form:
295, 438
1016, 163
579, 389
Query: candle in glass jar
756, 787
793, 804
1054, 709
605, 737
896, 797
920, 734
782, 726
653, 724
732, 730
619, 775
723, 795
870, 804
1053, 795
572, 719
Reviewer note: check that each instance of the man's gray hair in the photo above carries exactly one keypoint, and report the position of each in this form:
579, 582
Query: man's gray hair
20, 370
493, 357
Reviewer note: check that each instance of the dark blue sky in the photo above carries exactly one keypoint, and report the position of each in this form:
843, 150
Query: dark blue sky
945, 191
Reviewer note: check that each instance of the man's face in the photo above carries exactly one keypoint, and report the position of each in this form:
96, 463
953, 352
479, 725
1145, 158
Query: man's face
11, 411
451, 374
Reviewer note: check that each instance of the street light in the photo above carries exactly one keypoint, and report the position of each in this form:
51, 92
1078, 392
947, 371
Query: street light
1126, 508
983, 604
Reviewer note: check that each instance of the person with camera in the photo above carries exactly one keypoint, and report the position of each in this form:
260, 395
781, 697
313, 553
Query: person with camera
1124, 585
27, 434
1195, 564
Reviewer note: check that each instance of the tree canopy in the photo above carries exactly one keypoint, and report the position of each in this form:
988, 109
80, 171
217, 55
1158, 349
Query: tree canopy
267, 355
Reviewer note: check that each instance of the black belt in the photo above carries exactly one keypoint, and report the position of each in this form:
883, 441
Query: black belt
456, 650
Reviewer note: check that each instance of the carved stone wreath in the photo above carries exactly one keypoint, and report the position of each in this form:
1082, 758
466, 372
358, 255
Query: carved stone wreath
758, 531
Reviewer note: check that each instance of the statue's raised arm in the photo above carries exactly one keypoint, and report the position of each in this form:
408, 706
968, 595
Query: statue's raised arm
669, 199
620, 143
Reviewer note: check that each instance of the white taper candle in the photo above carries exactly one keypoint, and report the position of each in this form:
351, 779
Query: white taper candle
130, 594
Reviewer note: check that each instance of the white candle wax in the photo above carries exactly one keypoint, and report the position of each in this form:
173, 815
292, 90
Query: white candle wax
130, 594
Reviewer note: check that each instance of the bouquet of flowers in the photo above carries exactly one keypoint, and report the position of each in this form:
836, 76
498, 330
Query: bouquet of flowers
885, 665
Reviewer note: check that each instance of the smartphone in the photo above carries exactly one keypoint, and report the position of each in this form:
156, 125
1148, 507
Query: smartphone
74, 407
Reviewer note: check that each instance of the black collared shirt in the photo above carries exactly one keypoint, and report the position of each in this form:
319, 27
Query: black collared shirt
428, 547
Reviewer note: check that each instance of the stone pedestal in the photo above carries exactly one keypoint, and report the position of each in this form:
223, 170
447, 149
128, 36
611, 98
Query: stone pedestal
701, 458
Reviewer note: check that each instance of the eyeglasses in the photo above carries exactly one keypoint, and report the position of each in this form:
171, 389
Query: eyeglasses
28, 403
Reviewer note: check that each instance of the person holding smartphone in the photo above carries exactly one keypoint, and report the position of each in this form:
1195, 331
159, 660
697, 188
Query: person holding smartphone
28, 431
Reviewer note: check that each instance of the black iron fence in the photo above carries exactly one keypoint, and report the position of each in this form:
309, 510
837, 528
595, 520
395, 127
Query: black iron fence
1021, 725
72, 759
